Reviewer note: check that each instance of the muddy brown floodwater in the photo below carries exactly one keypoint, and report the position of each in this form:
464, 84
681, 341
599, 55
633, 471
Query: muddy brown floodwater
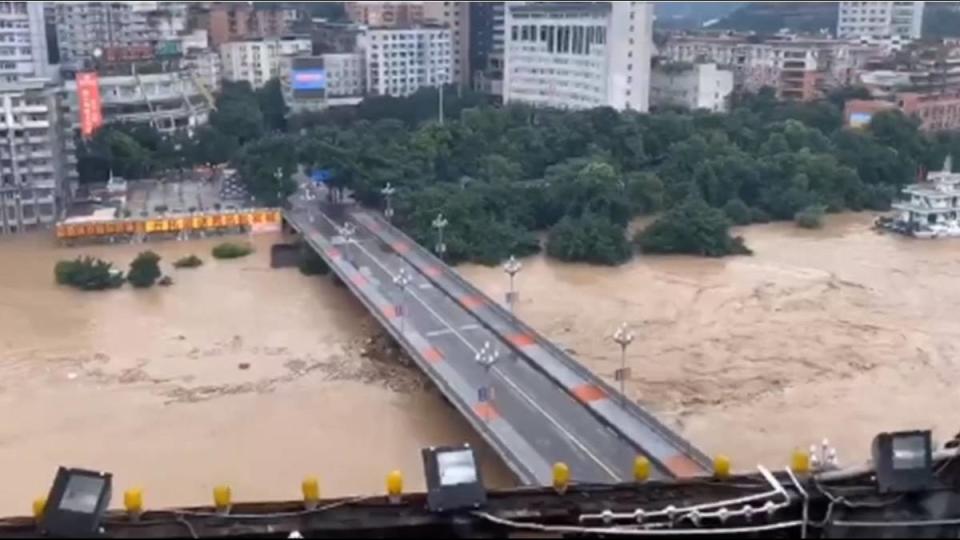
838, 333
148, 384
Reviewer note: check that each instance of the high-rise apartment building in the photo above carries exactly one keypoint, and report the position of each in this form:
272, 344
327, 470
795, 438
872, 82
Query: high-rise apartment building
879, 20
233, 21
258, 60
578, 54
399, 61
386, 14
32, 157
456, 17
23, 52
84, 27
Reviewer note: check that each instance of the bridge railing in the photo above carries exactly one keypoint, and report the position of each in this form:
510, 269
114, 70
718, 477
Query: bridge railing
513, 461
628, 405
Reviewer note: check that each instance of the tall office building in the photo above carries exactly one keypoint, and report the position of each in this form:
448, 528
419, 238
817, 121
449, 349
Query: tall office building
32, 157
579, 54
879, 20
399, 61
24, 51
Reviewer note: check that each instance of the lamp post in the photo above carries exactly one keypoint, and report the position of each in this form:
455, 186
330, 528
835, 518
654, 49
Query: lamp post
512, 267
623, 337
402, 279
387, 191
439, 224
487, 356
348, 231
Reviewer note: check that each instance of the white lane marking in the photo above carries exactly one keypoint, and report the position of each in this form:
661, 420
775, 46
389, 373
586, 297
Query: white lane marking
436, 333
494, 369
426, 286
470, 327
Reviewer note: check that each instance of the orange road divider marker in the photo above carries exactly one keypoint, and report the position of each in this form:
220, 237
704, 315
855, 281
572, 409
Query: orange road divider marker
471, 301
432, 355
400, 247
359, 280
390, 312
683, 467
589, 392
522, 340
432, 271
486, 411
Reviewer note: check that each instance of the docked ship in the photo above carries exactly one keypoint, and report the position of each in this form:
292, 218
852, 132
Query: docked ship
930, 209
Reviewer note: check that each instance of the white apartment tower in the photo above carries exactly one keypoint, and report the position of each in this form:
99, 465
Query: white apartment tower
23, 52
878, 20
399, 61
258, 60
578, 55
83, 27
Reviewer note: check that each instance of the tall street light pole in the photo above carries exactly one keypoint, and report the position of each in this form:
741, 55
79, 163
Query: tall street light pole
512, 267
624, 338
348, 232
388, 191
402, 279
487, 356
439, 224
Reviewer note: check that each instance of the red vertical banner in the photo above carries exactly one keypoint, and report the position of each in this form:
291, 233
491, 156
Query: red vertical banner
88, 99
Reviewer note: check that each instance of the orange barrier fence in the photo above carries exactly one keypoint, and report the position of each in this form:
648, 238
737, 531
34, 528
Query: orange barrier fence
194, 222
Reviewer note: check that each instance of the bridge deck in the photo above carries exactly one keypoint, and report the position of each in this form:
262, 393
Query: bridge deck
542, 411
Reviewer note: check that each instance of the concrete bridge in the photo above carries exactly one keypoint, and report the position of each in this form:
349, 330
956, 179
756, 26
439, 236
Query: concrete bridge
535, 405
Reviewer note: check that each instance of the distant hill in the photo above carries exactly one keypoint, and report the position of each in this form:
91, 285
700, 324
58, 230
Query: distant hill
769, 17
688, 15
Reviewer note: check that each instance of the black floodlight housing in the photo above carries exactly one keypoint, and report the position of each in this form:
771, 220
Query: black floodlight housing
76, 503
903, 461
453, 479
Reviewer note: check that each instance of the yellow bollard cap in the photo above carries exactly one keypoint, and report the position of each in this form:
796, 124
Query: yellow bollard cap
311, 489
800, 462
39, 505
395, 483
133, 500
561, 476
221, 496
721, 467
641, 469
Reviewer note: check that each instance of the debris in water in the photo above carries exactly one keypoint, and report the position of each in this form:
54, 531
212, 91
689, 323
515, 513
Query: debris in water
244, 365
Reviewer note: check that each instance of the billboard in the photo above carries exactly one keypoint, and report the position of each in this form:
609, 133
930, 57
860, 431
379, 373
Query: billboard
859, 119
308, 79
88, 99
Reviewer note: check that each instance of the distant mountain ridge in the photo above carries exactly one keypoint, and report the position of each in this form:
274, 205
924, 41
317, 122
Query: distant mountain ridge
692, 14
769, 17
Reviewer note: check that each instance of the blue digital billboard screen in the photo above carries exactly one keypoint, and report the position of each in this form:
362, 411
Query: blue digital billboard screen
309, 79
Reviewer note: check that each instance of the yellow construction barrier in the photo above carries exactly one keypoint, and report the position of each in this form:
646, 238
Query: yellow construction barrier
193, 222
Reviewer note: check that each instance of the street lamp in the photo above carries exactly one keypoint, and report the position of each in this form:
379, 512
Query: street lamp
387, 191
624, 338
402, 279
487, 356
348, 231
439, 224
512, 267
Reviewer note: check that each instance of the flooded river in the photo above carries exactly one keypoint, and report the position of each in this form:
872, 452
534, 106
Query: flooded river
149, 385
258, 377
838, 333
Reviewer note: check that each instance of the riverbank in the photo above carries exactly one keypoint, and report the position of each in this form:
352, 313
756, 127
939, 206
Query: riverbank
237, 373
840, 332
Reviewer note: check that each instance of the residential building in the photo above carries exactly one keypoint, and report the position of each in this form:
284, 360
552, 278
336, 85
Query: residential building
85, 27
258, 60
205, 66
936, 112
24, 53
879, 19
578, 54
331, 37
386, 14
399, 61
32, 156
169, 100
456, 17
797, 68
237, 21
486, 46
692, 86
314, 83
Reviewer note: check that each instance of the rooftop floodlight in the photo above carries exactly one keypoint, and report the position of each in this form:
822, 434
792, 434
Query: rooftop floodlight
453, 479
903, 461
76, 503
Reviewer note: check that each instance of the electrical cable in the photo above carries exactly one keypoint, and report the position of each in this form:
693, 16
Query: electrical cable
806, 502
905, 524
571, 529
